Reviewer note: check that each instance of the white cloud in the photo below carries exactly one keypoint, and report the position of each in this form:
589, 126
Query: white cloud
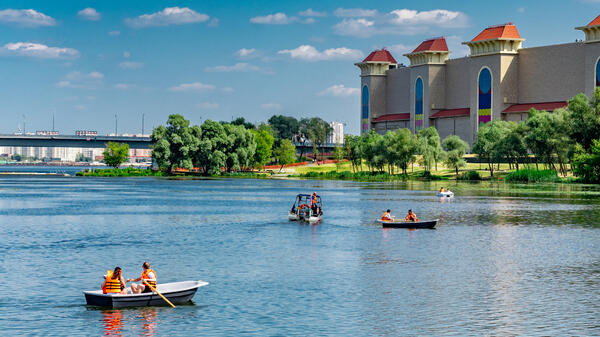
227, 89
400, 49
37, 50
208, 105
309, 21
114, 33
96, 75
195, 86
310, 53
77, 79
124, 86
168, 16
246, 53
272, 19
214, 22
26, 18
438, 17
354, 12
339, 90
402, 22
310, 12
126, 54
271, 106
456, 47
89, 14
131, 65
521, 9
240, 67
79, 107
355, 27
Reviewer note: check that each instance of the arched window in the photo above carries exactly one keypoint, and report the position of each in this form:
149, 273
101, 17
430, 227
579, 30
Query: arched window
419, 104
598, 73
365, 109
484, 108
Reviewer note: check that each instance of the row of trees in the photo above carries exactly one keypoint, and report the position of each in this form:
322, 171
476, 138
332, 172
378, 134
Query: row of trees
399, 149
561, 140
213, 146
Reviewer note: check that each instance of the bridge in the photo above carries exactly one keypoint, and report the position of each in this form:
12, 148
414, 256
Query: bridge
73, 141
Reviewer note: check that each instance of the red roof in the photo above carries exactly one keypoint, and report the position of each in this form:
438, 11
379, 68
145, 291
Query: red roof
381, 55
452, 113
392, 117
505, 31
548, 106
595, 22
435, 44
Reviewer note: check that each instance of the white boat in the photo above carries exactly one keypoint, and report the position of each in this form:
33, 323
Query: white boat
176, 292
302, 211
448, 194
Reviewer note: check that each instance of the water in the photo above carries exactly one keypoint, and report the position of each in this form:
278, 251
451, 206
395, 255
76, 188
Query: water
502, 262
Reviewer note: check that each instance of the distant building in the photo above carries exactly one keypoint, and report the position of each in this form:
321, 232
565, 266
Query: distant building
86, 133
46, 133
337, 133
499, 80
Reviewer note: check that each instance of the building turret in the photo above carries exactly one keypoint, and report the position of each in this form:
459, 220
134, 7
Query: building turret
432, 51
592, 30
373, 72
500, 39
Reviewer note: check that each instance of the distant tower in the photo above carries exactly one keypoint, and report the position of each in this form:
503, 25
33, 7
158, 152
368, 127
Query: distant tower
373, 71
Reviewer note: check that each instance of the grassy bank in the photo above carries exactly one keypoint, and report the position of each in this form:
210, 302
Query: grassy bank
120, 172
366, 176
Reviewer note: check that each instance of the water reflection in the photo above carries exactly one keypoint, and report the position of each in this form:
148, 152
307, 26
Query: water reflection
113, 322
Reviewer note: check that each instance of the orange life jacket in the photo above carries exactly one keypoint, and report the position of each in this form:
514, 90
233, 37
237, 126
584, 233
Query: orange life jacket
111, 285
313, 199
147, 278
412, 217
386, 216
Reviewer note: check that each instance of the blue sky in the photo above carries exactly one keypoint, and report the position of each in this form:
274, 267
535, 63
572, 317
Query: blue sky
85, 61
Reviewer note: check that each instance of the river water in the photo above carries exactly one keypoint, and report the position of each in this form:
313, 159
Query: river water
505, 260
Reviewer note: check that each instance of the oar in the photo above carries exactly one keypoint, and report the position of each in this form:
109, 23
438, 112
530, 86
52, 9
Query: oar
159, 294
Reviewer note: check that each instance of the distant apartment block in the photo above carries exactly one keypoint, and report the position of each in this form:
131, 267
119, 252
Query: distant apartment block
86, 133
46, 133
337, 133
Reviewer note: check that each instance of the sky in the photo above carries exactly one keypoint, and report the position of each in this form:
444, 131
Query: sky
84, 62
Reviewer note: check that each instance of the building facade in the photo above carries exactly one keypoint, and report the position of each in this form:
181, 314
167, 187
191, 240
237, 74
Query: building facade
336, 136
498, 80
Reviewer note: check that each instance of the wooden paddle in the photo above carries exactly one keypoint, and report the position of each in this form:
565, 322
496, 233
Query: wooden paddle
159, 294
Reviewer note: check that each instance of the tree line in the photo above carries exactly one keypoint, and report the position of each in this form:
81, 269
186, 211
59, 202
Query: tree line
232, 146
567, 139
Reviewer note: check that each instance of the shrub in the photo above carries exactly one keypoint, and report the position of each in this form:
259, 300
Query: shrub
530, 176
469, 175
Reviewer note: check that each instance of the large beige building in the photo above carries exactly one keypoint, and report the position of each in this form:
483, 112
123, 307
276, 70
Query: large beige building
498, 80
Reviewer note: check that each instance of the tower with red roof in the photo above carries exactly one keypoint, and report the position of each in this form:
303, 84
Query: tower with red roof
373, 70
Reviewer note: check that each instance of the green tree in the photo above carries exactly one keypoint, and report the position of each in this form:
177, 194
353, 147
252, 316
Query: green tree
352, 148
584, 120
586, 165
548, 137
512, 146
316, 130
240, 147
428, 146
115, 154
242, 121
285, 127
264, 146
285, 153
401, 148
175, 144
339, 154
488, 140
455, 150
214, 143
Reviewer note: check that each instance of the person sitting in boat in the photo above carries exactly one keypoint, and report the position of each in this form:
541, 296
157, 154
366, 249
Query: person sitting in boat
148, 275
411, 216
441, 190
114, 284
313, 204
387, 216
447, 190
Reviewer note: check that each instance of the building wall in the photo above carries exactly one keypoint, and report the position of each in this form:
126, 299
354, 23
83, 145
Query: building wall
458, 84
383, 127
398, 90
416, 72
452, 126
377, 95
552, 73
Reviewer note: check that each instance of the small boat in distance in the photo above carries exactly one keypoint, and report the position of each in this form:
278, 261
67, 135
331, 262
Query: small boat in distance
448, 194
430, 224
302, 210
176, 292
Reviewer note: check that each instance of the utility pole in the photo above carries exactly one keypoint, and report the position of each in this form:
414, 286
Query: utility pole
24, 120
116, 124
52, 122
143, 115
